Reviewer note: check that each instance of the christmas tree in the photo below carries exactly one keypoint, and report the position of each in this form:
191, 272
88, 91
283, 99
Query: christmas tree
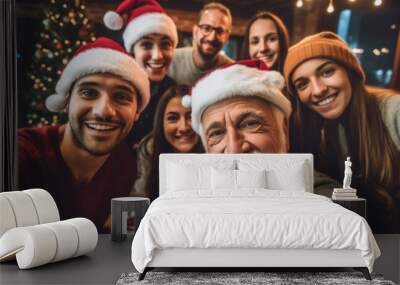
65, 28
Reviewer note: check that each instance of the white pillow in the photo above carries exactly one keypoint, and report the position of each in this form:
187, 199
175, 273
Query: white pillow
236, 179
181, 177
193, 175
281, 174
251, 178
223, 179
292, 179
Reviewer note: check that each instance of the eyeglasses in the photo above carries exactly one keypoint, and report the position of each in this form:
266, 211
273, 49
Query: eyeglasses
207, 29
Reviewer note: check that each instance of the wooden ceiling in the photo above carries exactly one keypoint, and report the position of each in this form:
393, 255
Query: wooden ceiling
187, 10
240, 8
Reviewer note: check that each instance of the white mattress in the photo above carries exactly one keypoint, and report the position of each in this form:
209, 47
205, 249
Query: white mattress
252, 218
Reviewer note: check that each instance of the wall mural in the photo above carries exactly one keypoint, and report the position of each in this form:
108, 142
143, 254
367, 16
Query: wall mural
99, 102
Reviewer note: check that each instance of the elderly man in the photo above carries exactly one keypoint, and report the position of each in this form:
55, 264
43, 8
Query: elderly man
210, 35
240, 108
85, 162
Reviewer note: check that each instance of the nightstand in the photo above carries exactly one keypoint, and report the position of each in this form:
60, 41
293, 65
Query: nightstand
357, 205
126, 214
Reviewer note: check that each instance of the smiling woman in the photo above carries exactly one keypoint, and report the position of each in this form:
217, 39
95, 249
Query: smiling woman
338, 116
172, 133
154, 54
150, 36
323, 86
266, 38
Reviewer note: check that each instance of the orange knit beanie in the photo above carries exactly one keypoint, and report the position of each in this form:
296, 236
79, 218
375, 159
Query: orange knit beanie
323, 45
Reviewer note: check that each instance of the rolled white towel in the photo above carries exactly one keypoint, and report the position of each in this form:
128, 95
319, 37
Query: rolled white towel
67, 240
24, 210
40, 244
87, 235
33, 246
45, 205
7, 218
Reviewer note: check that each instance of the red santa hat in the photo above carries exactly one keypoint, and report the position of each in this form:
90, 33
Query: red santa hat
242, 78
102, 56
145, 17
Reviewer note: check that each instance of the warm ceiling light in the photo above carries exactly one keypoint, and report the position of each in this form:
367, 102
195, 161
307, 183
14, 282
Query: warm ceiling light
330, 8
299, 3
384, 50
352, 0
376, 52
378, 2
358, 50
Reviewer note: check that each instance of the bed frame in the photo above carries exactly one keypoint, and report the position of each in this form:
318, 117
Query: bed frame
250, 258
256, 258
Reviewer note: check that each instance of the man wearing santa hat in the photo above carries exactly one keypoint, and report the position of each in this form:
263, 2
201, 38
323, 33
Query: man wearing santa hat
210, 34
85, 162
239, 108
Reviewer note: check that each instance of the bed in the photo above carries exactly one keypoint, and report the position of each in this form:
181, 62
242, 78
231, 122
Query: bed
247, 210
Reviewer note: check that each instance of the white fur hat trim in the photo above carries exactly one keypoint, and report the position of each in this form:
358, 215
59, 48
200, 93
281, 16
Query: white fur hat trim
150, 23
99, 60
237, 80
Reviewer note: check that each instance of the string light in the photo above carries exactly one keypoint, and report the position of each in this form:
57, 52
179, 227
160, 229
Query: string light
358, 50
384, 50
330, 8
376, 52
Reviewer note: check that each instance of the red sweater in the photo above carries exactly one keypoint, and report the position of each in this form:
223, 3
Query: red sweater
41, 166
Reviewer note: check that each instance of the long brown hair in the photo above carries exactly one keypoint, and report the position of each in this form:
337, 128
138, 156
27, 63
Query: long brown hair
374, 154
155, 142
283, 36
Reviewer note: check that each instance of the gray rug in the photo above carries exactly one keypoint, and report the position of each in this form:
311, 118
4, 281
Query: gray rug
230, 278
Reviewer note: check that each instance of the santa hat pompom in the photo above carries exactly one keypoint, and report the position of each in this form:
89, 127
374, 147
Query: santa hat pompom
187, 101
55, 102
275, 79
113, 20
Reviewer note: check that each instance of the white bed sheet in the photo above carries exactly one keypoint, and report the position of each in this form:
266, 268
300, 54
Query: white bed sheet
251, 218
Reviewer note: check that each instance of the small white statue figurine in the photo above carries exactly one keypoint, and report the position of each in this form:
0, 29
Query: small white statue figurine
347, 174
